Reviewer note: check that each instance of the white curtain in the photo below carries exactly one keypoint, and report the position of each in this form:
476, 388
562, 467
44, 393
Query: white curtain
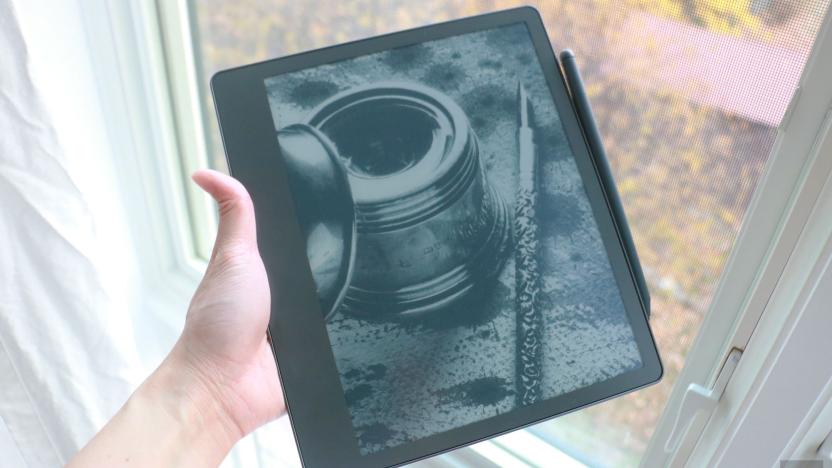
67, 360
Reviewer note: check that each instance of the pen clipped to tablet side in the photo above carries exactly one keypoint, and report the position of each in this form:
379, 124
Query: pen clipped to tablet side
599, 155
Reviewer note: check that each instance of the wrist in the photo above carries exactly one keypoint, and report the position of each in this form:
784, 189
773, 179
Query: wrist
191, 406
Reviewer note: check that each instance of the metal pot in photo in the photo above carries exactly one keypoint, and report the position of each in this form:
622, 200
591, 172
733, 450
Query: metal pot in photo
429, 227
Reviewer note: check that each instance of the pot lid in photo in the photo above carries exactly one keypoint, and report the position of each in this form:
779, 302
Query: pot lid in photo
324, 208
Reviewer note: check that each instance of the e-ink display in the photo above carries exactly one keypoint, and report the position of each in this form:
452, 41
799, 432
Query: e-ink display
454, 250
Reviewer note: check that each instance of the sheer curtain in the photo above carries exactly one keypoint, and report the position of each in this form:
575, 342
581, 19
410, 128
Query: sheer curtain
67, 353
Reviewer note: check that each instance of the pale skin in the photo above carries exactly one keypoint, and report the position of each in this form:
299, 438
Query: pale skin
219, 381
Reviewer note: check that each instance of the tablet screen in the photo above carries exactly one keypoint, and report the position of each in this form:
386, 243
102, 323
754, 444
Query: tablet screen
453, 245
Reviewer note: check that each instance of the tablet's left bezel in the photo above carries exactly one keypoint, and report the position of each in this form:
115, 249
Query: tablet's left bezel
311, 387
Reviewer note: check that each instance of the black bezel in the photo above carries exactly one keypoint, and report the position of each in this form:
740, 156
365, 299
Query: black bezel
311, 384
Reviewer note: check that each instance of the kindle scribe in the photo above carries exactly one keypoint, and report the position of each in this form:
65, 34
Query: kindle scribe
446, 251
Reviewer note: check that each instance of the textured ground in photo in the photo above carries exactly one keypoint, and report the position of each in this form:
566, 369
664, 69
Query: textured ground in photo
404, 382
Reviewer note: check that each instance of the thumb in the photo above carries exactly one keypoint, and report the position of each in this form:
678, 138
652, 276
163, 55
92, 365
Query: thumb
237, 225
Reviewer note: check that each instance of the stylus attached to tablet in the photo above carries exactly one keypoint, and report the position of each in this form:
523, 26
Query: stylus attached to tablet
447, 252
596, 148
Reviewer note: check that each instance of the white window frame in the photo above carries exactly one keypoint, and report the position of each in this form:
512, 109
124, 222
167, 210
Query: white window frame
158, 129
777, 215
773, 406
134, 94
137, 97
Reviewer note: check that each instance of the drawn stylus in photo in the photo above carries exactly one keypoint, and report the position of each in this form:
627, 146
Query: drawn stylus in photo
527, 276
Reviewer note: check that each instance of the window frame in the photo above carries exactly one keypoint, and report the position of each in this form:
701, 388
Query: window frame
143, 130
782, 385
178, 35
162, 116
125, 43
777, 215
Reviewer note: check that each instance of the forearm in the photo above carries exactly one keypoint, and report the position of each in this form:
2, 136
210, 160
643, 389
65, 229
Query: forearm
171, 420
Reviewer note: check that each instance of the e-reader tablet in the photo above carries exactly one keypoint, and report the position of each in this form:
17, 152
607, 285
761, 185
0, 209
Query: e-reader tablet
444, 257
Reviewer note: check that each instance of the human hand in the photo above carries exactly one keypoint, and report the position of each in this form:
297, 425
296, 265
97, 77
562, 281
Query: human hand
224, 341
220, 381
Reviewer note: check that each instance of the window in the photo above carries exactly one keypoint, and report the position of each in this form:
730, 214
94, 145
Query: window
689, 96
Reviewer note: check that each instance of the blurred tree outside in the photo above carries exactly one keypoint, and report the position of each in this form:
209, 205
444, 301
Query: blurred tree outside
719, 15
686, 171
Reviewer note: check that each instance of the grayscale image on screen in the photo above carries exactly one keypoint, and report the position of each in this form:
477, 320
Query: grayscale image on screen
456, 257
